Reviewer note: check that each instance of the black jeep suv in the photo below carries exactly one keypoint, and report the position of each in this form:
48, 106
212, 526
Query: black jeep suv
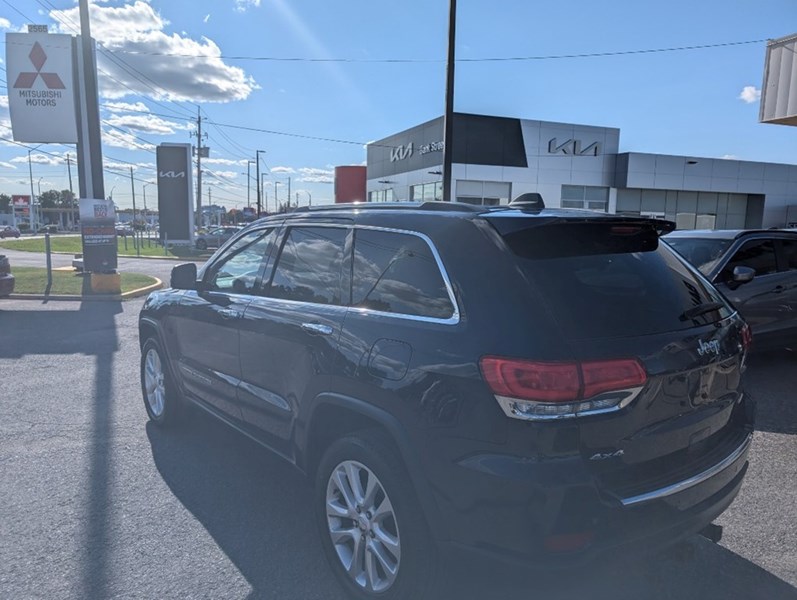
534, 385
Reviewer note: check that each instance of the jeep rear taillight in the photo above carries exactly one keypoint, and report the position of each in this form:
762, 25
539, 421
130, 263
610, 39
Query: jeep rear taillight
534, 390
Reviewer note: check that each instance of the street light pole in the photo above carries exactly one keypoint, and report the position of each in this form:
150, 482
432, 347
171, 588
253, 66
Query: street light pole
144, 191
257, 166
448, 119
248, 181
276, 201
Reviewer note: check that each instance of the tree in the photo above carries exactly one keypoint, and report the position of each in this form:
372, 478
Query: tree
67, 200
50, 199
5, 203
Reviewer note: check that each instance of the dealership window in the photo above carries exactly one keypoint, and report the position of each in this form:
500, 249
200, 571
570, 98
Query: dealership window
426, 192
381, 195
488, 193
585, 196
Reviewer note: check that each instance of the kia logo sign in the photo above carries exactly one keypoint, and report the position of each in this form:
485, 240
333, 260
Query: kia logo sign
171, 174
573, 147
401, 152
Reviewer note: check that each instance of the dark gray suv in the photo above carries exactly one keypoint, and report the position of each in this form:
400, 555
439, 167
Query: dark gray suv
756, 270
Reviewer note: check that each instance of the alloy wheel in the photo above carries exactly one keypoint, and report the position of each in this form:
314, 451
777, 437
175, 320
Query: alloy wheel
154, 385
363, 526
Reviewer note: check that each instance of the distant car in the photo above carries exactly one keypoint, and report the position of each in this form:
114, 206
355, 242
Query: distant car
215, 237
756, 270
7, 231
123, 229
48, 229
6, 278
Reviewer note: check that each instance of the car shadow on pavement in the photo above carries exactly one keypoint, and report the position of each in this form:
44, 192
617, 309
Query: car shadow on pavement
89, 331
257, 508
776, 409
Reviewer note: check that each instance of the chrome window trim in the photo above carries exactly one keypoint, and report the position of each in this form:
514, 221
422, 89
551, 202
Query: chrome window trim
691, 481
452, 320
455, 316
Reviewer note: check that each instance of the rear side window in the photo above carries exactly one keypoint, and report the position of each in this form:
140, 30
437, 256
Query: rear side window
789, 248
604, 281
309, 266
397, 273
756, 254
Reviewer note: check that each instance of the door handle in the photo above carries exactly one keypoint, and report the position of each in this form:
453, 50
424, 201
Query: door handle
778, 289
317, 328
228, 313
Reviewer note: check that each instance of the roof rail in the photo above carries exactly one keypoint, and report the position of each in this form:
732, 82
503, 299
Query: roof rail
431, 206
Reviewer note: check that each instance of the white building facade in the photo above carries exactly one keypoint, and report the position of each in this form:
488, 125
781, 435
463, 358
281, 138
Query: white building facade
497, 159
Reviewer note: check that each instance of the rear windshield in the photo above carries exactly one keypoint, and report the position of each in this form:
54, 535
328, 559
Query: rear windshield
608, 281
703, 253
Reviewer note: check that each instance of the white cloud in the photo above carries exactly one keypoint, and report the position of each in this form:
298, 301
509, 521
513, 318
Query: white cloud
243, 5
5, 23
146, 124
7, 165
122, 139
315, 175
154, 63
729, 157
125, 107
287, 170
3, 101
207, 18
222, 175
750, 94
41, 159
223, 161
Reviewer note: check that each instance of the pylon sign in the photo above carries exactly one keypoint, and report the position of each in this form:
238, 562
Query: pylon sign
41, 90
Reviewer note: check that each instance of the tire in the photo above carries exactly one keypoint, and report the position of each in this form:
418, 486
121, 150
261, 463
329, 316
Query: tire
201, 245
400, 534
161, 399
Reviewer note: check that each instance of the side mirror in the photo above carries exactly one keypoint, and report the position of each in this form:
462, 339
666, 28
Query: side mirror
184, 277
742, 274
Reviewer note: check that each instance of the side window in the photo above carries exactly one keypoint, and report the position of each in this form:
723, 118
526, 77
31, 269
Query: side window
310, 265
789, 250
237, 270
396, 272
756, 254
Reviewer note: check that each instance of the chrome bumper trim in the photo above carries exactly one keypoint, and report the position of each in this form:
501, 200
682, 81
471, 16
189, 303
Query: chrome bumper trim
692, 481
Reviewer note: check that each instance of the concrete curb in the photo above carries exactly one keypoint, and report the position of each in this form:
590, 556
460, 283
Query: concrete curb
143, 291
174, 258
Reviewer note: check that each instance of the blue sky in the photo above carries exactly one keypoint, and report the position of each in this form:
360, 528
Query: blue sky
161, 59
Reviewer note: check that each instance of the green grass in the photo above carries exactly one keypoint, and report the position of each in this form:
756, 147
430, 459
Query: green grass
33, 280
73, 245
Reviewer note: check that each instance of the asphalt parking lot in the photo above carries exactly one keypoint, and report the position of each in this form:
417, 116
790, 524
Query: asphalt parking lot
97, 503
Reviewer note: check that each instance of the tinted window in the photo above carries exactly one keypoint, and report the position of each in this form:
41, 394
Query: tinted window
395, 272
703, 253
756, 254
238, 268
601, 281
789, 249
309, 267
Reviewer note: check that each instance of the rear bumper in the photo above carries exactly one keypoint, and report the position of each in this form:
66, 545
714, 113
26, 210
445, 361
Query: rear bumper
516, 510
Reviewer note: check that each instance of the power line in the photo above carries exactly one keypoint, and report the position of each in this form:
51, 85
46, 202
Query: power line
439, 60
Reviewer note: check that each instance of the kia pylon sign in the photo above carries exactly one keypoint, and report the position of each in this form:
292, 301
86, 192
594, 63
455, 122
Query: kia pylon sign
41, 92
175, 193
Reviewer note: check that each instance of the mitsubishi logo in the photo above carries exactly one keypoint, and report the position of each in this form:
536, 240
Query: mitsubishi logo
38, 57
400, 152
172, 174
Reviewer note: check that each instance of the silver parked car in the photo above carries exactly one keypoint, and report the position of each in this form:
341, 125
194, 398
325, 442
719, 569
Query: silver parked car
215, 237
756, 270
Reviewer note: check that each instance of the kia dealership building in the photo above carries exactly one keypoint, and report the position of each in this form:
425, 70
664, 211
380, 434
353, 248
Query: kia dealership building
497, 159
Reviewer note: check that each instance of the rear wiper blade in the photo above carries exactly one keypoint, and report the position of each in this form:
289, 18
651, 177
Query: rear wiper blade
701, 309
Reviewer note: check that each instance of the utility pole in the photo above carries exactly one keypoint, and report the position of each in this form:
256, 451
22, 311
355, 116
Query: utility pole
133, 188
257, 165
262, 185
289, 192
276, 200
448, 119
199, 150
